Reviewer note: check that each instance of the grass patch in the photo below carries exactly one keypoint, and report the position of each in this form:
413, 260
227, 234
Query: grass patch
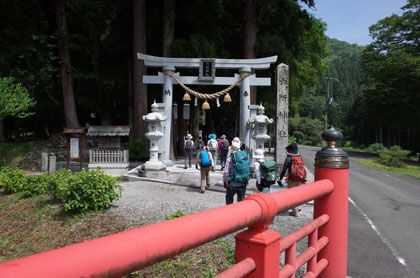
37, 224
407, 170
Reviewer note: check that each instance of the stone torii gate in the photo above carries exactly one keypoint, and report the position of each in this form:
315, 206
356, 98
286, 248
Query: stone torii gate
207, 69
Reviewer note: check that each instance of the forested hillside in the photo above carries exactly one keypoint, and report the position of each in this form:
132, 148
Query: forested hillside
345, 79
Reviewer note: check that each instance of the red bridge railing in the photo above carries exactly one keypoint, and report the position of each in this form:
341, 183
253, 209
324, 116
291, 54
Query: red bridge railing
257, 248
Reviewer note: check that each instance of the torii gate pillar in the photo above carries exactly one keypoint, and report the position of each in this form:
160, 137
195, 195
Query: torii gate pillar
167, 97
245, 101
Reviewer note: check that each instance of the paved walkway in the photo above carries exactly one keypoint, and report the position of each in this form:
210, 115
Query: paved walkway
190, 177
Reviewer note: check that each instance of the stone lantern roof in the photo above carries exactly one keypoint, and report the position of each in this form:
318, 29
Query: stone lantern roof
261, 118
154, 115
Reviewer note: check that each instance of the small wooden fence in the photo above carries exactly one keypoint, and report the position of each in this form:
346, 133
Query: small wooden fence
108, 156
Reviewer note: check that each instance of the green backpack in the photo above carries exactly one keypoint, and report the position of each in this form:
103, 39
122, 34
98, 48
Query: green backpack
268, 173
240, 172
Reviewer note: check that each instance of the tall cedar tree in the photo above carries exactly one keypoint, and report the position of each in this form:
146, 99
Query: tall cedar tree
139, 69
65, 67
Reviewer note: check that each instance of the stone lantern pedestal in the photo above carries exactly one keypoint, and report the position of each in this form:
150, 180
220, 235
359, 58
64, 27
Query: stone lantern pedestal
155, 133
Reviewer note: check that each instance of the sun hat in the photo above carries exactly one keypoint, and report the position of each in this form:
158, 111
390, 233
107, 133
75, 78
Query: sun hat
212, 136
189, 136
236, 144
259, 154
292, 149
223, 137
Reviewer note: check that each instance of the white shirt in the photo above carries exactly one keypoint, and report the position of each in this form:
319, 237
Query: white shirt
257, 169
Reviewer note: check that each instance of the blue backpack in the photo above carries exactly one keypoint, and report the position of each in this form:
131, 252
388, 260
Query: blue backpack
241, 172
205, 159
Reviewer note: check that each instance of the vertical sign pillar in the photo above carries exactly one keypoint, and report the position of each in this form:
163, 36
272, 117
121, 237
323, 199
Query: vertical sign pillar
245, 101
167, 98
332, 163
282, 112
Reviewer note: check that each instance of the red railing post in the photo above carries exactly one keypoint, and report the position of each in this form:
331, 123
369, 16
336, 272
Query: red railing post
333, 164
260, 244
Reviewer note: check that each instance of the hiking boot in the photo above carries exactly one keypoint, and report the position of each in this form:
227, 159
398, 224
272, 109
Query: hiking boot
207, 185
202, 191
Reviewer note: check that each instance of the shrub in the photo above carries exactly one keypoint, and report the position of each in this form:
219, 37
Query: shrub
12, 181
177, 214
392, 157
36, 185
88, 190
138, 150
375, 148
58, 182
389, 160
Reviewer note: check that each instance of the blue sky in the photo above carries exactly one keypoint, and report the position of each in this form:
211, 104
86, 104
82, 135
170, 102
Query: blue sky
349, 20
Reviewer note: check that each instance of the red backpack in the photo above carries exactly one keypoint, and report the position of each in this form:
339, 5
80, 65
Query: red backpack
297, 170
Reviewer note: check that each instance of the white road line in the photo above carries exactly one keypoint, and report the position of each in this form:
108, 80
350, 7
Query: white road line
399, 258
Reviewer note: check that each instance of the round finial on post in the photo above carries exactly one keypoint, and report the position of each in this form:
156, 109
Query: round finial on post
332, 137
331, 156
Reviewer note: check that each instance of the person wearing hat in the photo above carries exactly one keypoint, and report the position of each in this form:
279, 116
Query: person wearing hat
231, 186
205, 160
291, 151
223, 150
259, 158
188, 148
213, 148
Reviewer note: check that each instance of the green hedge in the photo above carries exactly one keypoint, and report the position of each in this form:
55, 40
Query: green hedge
82, 192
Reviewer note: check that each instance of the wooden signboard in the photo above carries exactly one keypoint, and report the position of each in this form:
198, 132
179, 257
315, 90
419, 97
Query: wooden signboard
207, 70
74, 145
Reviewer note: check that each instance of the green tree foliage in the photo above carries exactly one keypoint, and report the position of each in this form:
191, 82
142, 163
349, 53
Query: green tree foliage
343, 63
14, 99
305, 130
100, 40
391, 98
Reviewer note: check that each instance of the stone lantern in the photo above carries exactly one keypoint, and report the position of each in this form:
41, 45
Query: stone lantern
258, 125
155, 122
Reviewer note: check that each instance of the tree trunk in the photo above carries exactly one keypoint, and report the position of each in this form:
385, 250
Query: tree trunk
168, 26
65, 67
250, 37
139, 69
2, 135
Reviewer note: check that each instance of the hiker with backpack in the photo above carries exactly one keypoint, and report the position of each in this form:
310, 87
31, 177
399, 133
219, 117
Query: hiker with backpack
265, 171
223, 150
296, 176
213, 148
198, 146
188, 148
205, 160
236, 173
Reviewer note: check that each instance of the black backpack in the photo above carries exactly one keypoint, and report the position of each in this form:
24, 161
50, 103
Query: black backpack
225, 145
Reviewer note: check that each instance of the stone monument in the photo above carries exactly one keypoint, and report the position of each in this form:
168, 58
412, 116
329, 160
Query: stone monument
282, 112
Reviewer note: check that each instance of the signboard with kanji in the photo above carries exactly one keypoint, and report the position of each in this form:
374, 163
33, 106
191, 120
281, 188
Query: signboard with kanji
74, 148
207, 70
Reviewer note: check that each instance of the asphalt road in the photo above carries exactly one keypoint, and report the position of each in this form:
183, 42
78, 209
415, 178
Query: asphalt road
384, 222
